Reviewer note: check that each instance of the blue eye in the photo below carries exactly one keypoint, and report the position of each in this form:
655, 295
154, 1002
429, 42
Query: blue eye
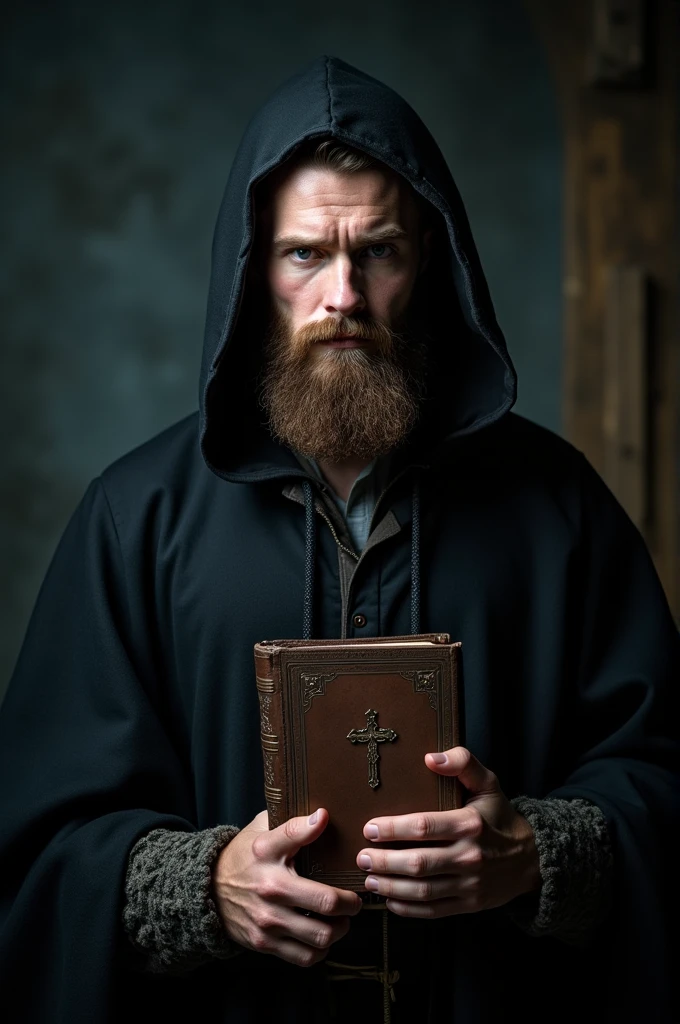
387, 251
385, 254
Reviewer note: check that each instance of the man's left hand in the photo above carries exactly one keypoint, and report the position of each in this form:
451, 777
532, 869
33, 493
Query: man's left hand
480, 856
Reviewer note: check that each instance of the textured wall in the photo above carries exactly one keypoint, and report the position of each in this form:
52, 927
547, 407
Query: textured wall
119, 126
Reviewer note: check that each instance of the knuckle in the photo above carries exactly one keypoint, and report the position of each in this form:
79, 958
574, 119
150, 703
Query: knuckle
328, 903
474, 822
265, 920
307, 958
422, 826
260, 846
424, 890
472, 857
260, 942
417, 863
291, 828
322, 938
269, 889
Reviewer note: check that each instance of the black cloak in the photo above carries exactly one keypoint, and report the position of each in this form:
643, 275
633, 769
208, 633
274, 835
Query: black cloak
133, 703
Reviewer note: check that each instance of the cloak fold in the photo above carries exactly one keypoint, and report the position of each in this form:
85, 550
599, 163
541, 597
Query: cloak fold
88, 768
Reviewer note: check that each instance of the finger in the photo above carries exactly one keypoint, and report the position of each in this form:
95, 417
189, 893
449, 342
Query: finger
420, 891
316, 932
438, 908
261, 822
321, 899
292, 936
444, 825
298, 953
471, 772
460, 858
283, 843
281, 887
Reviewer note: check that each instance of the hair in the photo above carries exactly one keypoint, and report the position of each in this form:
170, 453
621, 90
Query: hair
335, 156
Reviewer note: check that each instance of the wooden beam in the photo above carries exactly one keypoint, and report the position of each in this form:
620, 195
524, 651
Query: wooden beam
625, 407
618, 86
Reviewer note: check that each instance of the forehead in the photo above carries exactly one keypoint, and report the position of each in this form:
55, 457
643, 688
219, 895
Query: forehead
311, 193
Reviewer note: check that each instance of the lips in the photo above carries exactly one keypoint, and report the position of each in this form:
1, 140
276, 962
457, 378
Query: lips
343, 341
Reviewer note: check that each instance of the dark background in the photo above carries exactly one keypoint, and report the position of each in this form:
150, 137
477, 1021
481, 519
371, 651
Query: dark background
119, 125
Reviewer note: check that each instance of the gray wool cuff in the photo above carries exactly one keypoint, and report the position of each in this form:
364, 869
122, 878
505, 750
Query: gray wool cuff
575, 861
169, 914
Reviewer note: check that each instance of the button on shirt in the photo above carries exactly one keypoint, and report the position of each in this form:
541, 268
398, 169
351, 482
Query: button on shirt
362, 498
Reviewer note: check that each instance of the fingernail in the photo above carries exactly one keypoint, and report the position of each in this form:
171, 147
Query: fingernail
365, 862
371, 832
439, 758
313, 818
371, 884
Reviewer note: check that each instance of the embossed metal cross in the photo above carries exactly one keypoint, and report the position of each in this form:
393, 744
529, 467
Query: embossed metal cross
373, 735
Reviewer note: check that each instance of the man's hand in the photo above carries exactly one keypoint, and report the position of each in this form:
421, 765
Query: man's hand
475, 858
257, 888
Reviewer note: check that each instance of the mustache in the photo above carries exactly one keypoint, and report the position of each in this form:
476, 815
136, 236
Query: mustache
329, 329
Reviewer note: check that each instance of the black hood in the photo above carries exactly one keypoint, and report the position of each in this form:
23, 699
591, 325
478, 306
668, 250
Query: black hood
475, 382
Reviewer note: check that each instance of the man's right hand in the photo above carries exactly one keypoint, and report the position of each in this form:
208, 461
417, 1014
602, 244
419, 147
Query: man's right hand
257, 889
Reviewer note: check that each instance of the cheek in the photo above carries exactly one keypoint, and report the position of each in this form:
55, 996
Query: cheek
391, 293
288, 289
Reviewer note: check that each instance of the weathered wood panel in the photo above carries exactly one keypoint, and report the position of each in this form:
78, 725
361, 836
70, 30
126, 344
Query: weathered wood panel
625, 406
618, 86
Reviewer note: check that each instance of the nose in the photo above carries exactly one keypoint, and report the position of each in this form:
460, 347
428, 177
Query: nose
341, 293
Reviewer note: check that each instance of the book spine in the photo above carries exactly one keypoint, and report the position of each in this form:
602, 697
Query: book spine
455, 651
268, 681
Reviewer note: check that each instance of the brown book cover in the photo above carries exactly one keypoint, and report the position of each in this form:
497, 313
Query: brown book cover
345, 726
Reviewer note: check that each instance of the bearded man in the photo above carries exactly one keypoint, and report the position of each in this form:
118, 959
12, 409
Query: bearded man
354, 469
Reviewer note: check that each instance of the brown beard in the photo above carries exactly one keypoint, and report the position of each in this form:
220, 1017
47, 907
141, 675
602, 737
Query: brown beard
338, 403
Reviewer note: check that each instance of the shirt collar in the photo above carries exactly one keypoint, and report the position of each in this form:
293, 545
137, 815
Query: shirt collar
372, 477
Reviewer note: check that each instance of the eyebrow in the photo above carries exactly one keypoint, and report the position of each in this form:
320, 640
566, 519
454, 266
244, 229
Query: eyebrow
370, 238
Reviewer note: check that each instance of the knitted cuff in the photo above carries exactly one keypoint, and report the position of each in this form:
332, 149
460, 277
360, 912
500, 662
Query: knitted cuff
575, 861
169, 914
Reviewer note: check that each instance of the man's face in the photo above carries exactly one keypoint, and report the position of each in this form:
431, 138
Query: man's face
341, 246
340, 254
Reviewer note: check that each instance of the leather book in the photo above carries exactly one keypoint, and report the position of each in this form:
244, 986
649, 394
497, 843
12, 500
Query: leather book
345, 725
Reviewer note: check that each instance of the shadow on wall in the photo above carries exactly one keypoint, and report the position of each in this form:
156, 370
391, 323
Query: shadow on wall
120, 128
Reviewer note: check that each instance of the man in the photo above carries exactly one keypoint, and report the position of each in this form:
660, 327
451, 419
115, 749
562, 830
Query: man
354, 470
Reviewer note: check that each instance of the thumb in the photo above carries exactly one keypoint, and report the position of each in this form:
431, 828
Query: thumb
260, 822
471, 772
287, 839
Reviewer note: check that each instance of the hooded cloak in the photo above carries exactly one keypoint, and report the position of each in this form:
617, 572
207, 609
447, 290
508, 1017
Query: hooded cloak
133, 704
